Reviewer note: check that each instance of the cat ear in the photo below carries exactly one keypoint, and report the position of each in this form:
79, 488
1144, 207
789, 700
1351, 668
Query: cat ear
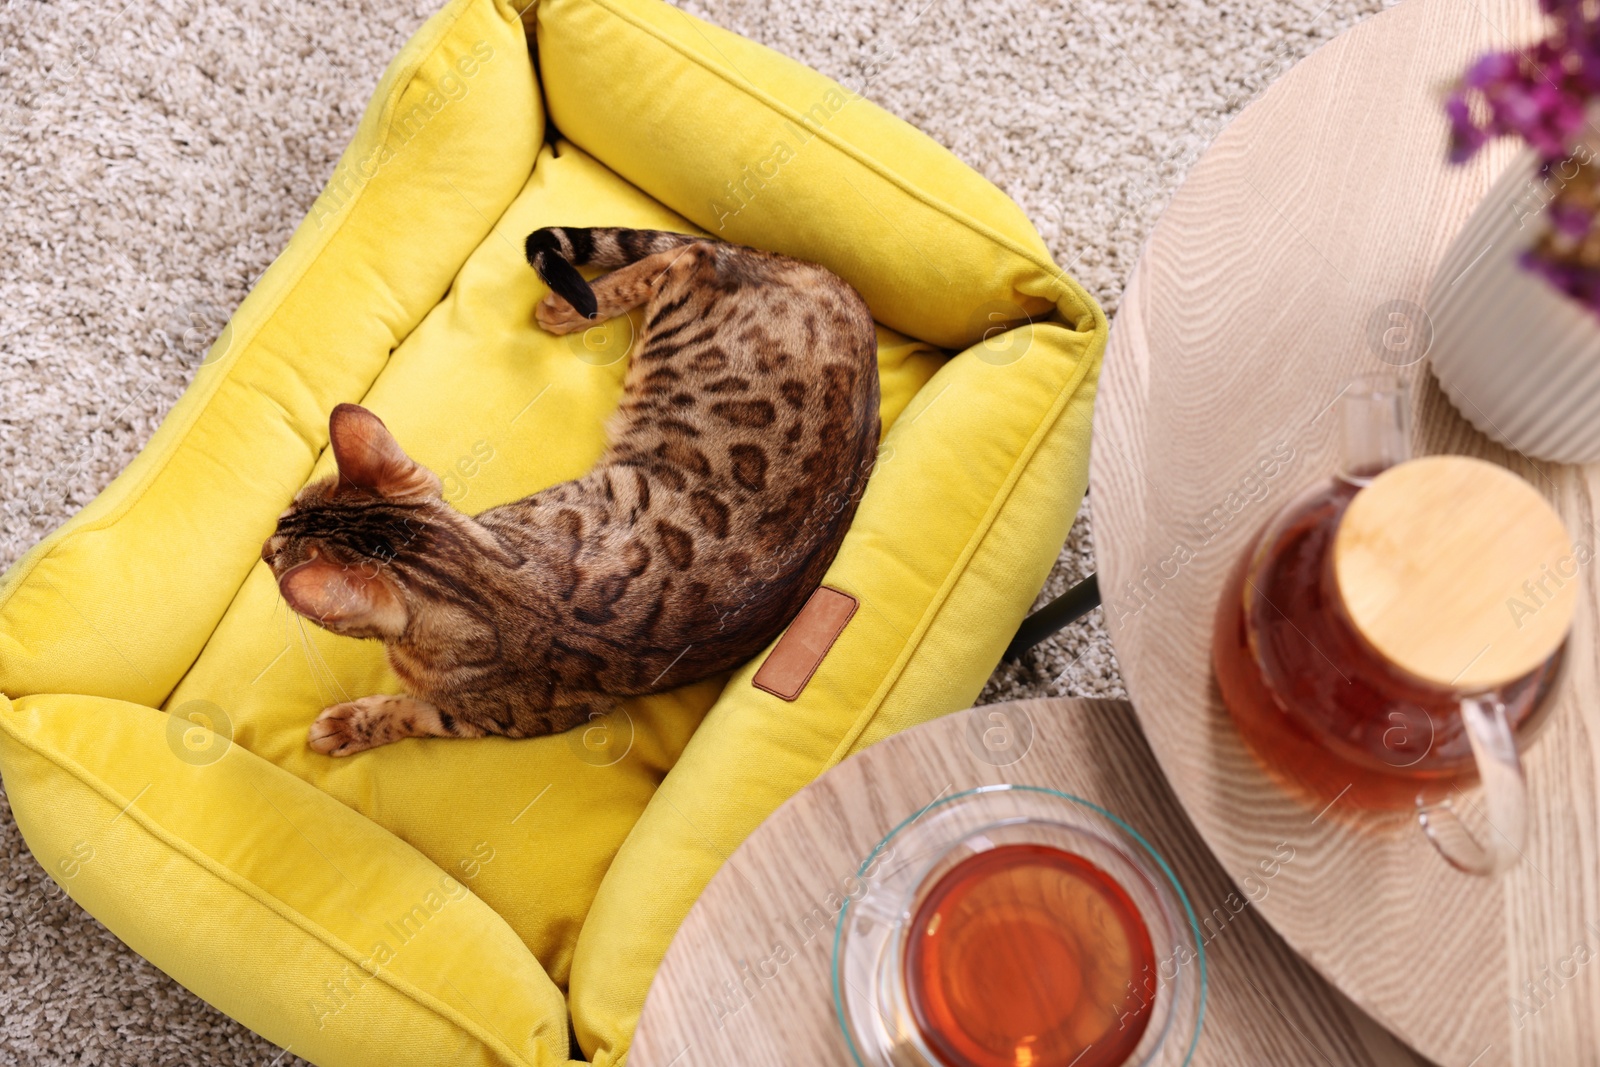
343, 598
370, 458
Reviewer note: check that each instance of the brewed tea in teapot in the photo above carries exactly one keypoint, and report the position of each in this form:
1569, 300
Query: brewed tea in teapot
1392, 632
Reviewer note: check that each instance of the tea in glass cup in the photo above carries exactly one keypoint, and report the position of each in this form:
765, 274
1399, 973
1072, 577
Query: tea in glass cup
1028, 953
1015, 925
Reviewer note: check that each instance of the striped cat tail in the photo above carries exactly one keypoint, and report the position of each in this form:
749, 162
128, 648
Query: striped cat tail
554, 250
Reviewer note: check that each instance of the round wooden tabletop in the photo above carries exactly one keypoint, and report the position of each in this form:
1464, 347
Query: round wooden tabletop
1315, 220
747, 980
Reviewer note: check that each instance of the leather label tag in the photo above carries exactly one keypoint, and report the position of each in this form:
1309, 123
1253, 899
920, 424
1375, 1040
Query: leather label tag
800, 650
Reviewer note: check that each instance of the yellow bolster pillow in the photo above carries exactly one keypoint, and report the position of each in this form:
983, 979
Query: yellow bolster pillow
307, 922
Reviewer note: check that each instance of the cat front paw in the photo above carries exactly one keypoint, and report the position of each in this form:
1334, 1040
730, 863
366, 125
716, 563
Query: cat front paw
557, 316
356, 726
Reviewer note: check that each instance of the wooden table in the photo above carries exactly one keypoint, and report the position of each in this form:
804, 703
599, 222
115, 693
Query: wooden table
1266, 1006
1319, 212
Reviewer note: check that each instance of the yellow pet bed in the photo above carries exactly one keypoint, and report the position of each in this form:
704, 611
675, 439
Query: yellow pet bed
454, 901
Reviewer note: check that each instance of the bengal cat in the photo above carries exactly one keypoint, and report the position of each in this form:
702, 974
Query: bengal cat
746, 431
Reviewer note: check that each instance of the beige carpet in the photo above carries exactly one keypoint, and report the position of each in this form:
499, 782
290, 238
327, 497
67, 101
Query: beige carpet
156, 155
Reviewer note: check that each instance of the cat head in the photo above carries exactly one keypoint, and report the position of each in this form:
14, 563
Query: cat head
342, 550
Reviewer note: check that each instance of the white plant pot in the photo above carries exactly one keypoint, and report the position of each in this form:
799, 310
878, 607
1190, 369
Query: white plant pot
1519, 358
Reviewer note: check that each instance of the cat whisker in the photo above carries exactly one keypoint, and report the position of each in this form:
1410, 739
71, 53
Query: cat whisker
319, 666
333, 675
305, 651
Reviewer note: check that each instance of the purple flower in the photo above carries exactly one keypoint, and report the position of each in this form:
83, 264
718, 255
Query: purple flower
1491, 69
1570, 221
1542, 95
1465, 136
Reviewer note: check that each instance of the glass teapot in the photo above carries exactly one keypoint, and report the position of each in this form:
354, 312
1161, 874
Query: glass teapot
1392, 633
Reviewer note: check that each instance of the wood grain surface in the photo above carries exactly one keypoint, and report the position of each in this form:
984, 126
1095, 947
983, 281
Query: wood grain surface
1315, 219
726, 995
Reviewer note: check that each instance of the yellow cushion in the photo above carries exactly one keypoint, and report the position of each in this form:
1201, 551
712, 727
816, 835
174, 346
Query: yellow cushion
433, 901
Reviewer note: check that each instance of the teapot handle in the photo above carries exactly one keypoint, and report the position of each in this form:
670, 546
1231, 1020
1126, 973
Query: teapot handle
1505, 797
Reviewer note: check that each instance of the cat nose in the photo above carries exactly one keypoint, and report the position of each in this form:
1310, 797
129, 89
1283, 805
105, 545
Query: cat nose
267, 549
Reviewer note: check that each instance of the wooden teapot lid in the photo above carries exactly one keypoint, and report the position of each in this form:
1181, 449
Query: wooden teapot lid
1457, 571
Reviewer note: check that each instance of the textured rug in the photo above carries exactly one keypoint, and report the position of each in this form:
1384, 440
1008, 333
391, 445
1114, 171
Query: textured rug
157, 154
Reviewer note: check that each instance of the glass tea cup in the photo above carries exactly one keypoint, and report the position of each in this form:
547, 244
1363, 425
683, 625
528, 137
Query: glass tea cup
1013, 924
